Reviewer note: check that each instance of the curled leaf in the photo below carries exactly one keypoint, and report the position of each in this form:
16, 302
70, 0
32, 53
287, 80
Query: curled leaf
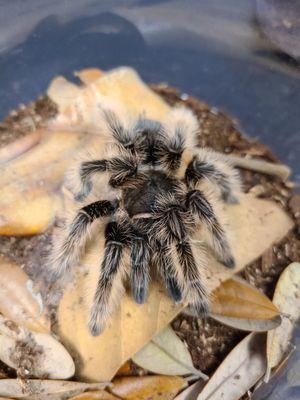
42, 389
240, 370
18, 300
242, 306
148, 387
287, 299
37, 354
95, 395
19, 146
166, 354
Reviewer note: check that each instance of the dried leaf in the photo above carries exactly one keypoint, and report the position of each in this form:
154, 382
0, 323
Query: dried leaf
38, 353
148, 387
240, 370
89, 75
167, 355
191, 392
19, 146
18, 300
257, 223
287, 299
27, 200
242, 306
39, 389
120, 87
95, 395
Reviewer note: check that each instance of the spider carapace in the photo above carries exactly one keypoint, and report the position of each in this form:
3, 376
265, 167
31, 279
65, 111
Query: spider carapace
155, 206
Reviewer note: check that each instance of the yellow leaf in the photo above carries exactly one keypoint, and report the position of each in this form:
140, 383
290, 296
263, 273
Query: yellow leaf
18, 301
148, 387
238, 304
256, 223
287, 299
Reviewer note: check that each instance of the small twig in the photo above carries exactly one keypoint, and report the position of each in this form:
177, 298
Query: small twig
265, 167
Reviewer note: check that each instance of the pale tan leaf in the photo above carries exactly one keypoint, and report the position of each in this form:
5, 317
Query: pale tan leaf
89, 75
240, 370
27, 200
19, 146
19, 301
287, 300
148, 387
242, 306
42, 354
191, 392
39, 389
257, 223
119, 88
166, 354
95, 395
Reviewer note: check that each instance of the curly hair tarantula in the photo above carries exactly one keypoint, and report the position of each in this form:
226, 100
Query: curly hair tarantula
153, 207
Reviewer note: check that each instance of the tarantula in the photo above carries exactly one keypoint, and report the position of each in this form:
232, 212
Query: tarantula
153, 208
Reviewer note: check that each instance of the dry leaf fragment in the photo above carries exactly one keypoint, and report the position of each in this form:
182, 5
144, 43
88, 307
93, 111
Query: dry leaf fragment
148, 387
287, 300
18, 300
27, 200
89, 75
166, 354
39, 389
37, 353
256, 223
242, 306
240, 370
191, 392
19, 146
95, 395
120, 87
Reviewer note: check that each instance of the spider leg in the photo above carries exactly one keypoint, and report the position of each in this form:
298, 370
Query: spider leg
87, 169
67, 251
167, 269
195, 291
211, 165
140, 258
111, 272
199, 205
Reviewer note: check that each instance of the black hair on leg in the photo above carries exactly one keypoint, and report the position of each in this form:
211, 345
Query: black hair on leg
196, 293
68, 250
198, 204
87, 169
116, 240
199, 169
140, 268
167, 270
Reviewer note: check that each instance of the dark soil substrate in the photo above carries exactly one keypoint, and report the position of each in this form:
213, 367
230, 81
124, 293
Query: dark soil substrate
208, 341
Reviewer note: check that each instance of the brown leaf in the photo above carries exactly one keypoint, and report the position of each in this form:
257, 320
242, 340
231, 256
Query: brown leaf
238, 304
40, 389
240, 370
257, 223
148, 387
95, 395
287, 299
18, 300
